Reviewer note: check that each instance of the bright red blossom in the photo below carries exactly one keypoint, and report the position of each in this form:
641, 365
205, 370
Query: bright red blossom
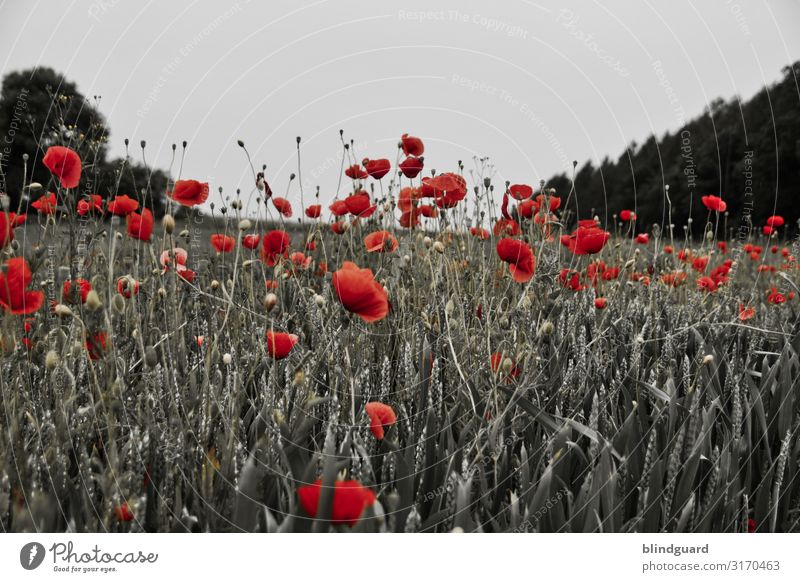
381, 417
350, 498
64, 164
360, 293
15, 298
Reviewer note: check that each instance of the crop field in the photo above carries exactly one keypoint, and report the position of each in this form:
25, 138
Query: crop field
432, 352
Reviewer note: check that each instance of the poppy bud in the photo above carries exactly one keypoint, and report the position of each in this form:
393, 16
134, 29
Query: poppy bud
449, 307
270, 301
407, 259
150, 357
319, 300
118, 303
51, 360
427, 242
227, 359
438, 246
169, 223
245, 224
118, 235
184, 233
299, 377
93, 302
247, 264
546, 328
507, 365
214, 285
62, 310
708, 359
77, 349
35, 187
162, 292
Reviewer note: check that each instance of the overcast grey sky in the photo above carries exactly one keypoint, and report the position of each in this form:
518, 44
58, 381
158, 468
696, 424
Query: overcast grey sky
532, 85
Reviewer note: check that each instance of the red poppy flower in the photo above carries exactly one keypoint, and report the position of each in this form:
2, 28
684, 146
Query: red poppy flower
643, 238
767, 230
380, 241
506, 227
127, 287
311, 245
775, 221
314, 211
93, 204
339, 227
299, 260
283, 206
223, 243
479, 232
46, 204
275, 244
722, 246
140, 226
775, 297
189, 192
668, 249
96, 344
700, 264
381, 416
338, 208
496, 361
251, 241
377, 169
279, 344
412, 166
360, 293
81, 288
412, 146
123, 512
714, 203
586, 240
600, 303
123, 205
674, 279
707, 284
448, 189
358, 204
527, 208
14, 281
428, 211
356, 172
409, 219
520, 258
8, 220
408, 198
746, 312
627, 215
520, 191
554, 202
350, 498
64, 164
180, 257
571, 280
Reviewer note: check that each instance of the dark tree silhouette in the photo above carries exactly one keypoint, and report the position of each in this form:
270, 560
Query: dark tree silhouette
40, 108
748, 153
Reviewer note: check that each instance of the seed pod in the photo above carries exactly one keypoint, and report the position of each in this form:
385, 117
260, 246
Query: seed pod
93, 302
150, 357
62, 310
168, 222
51, 360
